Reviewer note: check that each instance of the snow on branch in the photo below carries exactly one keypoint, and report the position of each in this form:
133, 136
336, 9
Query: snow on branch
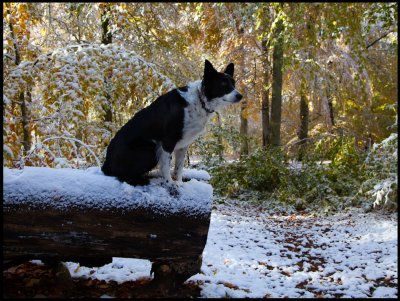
77, 86
40, 145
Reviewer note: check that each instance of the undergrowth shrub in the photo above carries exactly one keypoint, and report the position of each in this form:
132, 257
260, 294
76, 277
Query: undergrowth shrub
218, 141
380, 186
326, 180
341, 151
263, 170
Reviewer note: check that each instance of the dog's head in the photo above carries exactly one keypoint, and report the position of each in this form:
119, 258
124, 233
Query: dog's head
219, 87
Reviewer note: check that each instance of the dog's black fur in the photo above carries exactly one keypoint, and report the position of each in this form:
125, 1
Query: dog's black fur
132, 152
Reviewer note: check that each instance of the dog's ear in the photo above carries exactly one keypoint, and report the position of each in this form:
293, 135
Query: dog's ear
229, 69
208, 69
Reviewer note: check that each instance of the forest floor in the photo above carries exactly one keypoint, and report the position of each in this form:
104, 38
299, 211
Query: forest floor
251, 252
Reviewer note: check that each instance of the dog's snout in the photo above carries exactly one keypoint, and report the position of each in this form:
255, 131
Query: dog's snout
239, 96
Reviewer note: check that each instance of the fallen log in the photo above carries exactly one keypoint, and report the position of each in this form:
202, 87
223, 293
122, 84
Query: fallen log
86, 217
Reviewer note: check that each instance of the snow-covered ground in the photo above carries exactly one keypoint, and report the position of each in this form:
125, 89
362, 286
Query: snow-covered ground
251, 252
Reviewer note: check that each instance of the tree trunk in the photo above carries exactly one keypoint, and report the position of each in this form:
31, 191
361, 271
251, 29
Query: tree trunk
219, 138
244, 126
106, 38
24, 109
330, 108
92, 237
78, 234
276, 99
25, 121
327, 110
106, 35
303, 131
265, 96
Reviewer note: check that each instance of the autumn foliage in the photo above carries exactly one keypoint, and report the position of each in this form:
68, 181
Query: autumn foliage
74, 73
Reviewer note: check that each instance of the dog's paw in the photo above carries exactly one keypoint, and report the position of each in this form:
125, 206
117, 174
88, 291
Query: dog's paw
178, 183
172, 187
177, 179
174, 191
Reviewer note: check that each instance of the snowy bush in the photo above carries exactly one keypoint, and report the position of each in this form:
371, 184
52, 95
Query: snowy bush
71, 90
380, 186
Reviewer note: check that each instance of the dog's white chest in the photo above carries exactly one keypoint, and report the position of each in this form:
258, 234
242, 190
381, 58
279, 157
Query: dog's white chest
194, 124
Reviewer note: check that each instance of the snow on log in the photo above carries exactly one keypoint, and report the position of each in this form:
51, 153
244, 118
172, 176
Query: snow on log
65, 188
71, 214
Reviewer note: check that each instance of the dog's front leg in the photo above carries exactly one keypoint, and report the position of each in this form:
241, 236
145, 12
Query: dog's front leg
165, 165
180, 155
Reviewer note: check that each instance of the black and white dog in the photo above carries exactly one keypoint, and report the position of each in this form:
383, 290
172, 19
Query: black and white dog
169, 124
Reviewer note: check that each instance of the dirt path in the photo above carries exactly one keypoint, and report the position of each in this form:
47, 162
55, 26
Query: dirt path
252, 253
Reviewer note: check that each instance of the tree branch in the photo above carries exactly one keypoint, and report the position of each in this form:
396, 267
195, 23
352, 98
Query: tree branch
378, 39
9, 57
69, 139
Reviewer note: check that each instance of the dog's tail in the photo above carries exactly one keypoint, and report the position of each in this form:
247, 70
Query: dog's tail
140, 180
106, 168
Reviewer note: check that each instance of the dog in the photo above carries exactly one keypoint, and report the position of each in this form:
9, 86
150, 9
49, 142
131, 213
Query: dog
168, 125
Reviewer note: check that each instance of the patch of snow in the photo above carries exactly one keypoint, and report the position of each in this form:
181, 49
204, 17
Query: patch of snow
8, 150
187, 173
119, 270
385, 292
36, 261
200, 175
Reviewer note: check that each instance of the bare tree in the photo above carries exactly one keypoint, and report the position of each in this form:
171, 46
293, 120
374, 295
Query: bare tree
265, 95
276, 99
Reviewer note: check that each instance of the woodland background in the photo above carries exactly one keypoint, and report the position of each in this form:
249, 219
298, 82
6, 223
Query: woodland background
317, 127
